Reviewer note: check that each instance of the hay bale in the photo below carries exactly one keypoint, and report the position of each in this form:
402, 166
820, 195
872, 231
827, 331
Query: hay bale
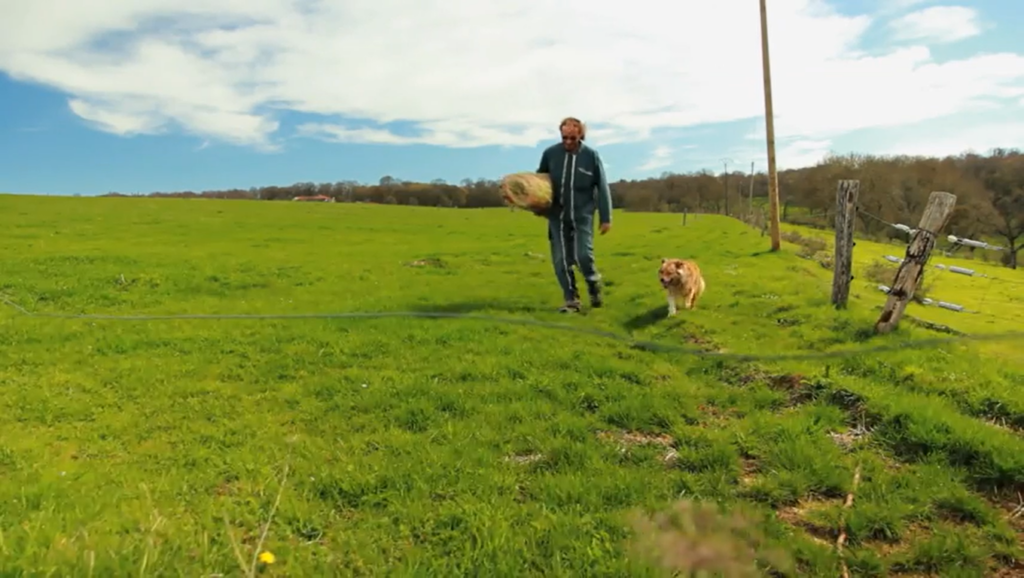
529, 191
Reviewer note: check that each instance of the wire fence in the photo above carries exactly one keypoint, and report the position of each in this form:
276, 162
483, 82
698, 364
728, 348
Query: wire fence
953, 241
915, 344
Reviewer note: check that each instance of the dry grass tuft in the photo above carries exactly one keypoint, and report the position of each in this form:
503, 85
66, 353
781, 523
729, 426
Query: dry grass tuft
695, 538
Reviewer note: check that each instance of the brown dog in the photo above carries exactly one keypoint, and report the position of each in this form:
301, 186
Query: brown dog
681, 278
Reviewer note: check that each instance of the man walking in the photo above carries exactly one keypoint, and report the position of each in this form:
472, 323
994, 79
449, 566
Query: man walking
579, 185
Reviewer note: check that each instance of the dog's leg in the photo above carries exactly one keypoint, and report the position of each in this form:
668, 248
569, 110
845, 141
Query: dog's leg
691, 299
694, 293
671, 304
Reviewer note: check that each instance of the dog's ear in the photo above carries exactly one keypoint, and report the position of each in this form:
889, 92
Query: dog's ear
663, 261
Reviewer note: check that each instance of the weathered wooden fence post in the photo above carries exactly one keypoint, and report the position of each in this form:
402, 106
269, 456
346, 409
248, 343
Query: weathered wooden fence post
846, 209
685, 211
911, 271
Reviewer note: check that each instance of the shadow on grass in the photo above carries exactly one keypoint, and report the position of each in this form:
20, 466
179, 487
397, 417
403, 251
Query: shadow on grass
647, 319
764, 252
482, 306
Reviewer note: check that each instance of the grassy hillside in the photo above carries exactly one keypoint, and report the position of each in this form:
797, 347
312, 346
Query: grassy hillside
448, 446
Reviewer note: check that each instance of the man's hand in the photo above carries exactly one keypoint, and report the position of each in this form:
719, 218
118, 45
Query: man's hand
605, 227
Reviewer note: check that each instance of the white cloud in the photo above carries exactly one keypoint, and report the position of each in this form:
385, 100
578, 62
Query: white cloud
116, 121
894, 6
455, 134
979, 138
790, 153
802, 153
937, 24
661, 157
468, 73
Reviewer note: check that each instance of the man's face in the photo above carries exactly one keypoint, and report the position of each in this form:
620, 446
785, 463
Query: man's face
570, 137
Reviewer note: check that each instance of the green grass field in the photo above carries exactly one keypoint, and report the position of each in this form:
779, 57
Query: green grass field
411, 446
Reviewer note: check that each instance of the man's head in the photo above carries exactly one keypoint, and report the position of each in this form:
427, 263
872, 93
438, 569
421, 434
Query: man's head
573, 132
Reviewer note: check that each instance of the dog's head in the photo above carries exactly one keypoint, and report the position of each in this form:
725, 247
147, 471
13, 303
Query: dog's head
669, 273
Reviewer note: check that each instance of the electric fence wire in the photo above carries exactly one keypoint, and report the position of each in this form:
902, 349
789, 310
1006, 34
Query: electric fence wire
915, 344
909, 230
952, 243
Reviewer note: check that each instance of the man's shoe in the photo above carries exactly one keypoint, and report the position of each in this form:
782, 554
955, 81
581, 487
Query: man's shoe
570, 307
596, 295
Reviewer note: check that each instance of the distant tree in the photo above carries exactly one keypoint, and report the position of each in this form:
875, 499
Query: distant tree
1002, 175
894, 189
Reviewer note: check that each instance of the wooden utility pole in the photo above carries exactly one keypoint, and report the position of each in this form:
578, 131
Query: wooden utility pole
842, 264
769, 120
911, 271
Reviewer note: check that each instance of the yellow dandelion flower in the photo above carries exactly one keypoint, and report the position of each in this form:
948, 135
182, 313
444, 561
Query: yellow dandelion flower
267, 557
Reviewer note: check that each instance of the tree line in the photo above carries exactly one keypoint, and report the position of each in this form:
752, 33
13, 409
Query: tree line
989, 189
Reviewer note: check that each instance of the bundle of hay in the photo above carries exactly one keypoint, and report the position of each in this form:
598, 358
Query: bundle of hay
530, 191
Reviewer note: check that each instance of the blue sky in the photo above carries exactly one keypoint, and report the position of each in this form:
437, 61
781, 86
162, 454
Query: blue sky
155, 95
